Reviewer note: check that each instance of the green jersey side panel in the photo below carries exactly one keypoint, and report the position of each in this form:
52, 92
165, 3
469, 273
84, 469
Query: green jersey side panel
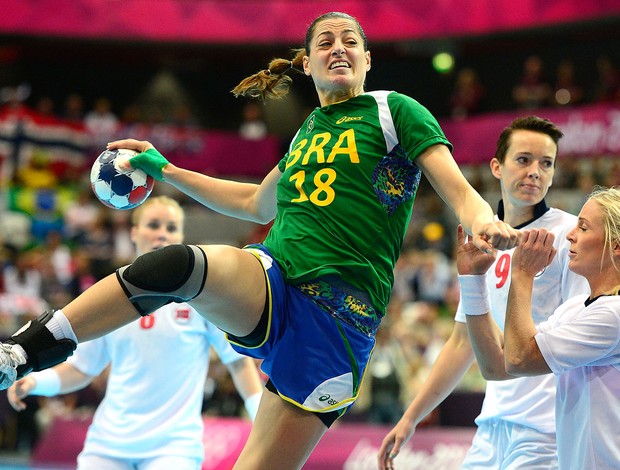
347, 190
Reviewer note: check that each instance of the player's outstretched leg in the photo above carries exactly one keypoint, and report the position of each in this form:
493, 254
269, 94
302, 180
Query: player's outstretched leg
35, 347
32, 348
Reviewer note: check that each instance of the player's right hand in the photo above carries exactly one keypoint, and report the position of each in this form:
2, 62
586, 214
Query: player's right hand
393, 443
469, 259
535, 252
19, 390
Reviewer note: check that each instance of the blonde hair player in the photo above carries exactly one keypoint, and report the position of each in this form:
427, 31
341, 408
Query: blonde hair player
578, 343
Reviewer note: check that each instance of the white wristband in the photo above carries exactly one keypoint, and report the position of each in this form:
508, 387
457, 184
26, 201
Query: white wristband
251, 404
47, 383
475, 298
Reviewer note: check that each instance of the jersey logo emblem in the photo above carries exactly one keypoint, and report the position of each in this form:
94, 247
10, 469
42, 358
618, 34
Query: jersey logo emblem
310, 126
182, 315
349, 119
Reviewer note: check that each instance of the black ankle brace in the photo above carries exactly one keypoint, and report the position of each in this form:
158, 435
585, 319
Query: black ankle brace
43, 350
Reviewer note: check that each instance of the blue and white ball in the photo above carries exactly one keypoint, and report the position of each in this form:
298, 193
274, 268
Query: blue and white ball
116, 187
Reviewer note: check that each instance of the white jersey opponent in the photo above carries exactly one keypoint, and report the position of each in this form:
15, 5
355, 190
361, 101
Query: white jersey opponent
581, 344
153, 401
530, 401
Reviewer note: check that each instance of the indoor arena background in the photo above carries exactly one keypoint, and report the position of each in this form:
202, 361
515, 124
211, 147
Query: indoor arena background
75, 74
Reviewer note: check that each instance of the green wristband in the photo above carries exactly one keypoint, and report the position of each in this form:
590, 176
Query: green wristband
151, 162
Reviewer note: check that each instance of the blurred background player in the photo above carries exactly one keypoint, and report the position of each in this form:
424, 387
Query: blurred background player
516, 427
150, 417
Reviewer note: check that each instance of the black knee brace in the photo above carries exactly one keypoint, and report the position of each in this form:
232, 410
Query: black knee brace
44, 351
175, 273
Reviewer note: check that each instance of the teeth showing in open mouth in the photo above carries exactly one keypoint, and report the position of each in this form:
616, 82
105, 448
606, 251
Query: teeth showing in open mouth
338, 64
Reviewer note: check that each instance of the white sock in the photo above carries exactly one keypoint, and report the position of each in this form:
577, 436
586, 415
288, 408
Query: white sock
20, 349
60, 327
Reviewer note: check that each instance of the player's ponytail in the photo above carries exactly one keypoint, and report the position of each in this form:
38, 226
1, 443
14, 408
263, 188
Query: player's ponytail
272, 82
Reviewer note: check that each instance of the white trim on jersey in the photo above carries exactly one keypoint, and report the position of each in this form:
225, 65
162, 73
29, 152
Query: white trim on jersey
385, 118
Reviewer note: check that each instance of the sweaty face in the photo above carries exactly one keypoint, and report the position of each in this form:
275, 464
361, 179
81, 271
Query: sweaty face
528, 169
337, 61
159, 225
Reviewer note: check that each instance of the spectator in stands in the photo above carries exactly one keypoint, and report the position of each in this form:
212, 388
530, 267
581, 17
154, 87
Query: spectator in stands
567, 92
608, 81
432, 277
99, 244
21, 276
532, 91
183, 117
101, 122
516, 425
74, 109
37, 172
467, 94
253, 127
80, 215
83, 276
59, 255
45, 108
386, 376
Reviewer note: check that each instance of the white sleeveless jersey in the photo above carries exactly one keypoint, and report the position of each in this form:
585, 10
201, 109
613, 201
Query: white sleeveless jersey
154, 395
581, 344
530, 401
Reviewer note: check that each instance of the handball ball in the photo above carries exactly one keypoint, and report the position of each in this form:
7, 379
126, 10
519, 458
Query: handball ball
118, 188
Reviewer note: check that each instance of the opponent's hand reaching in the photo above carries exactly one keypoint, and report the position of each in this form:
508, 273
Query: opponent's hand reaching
148, 159
393, 443
19, 390
535, 252
469, 259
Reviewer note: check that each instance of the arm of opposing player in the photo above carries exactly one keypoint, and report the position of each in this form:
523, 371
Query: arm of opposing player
245, 376
521, 352
61, 379
454, 360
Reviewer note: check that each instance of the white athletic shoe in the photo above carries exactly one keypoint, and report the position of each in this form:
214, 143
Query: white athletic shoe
10, 358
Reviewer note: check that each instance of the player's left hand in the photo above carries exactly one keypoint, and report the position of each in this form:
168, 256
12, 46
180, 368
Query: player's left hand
469, 259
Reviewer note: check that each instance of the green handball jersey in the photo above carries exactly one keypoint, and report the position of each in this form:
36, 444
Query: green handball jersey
346, 193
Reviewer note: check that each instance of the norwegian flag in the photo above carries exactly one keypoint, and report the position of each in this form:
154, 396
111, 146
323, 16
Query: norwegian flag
182, 315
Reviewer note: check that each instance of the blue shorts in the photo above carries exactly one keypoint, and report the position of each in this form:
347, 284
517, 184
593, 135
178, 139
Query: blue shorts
315, 360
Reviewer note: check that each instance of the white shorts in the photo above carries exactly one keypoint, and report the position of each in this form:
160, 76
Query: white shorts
92, 461
502, 445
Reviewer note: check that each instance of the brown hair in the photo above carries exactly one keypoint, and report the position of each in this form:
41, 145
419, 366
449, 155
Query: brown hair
528, 123
274, 81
